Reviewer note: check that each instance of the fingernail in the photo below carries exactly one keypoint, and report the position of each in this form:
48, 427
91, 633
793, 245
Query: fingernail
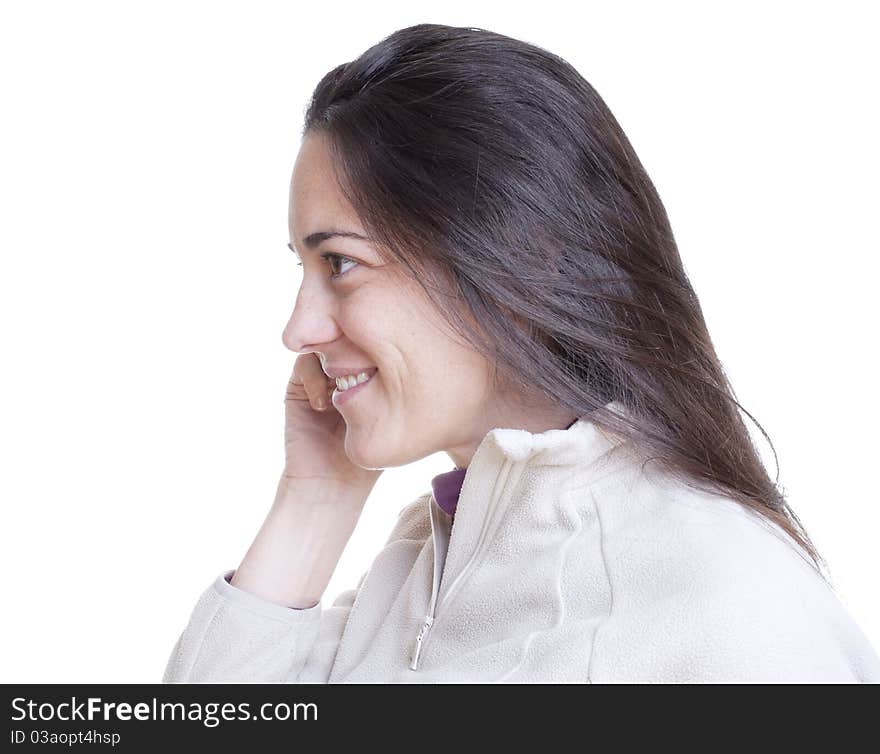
322, 403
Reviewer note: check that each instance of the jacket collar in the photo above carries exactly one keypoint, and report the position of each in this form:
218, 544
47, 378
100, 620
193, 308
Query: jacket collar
496, 470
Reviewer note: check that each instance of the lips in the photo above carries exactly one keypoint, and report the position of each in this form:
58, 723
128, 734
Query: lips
335, 372
340, 397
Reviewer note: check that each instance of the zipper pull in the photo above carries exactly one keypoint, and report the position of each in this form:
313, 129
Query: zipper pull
419, 639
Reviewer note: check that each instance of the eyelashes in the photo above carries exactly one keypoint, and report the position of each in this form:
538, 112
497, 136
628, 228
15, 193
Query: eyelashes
327, 256
330, 255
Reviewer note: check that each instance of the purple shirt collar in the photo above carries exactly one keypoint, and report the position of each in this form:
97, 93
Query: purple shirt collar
447, 486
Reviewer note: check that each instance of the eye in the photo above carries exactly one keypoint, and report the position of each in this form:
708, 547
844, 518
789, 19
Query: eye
329, 255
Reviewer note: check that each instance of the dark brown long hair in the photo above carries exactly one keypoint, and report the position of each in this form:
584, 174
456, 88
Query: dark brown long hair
499, 178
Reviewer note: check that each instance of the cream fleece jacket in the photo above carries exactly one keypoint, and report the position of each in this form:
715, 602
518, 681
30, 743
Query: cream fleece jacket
569, 560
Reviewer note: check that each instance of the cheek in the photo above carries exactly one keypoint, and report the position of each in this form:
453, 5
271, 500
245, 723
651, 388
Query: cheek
399, 331
459, 376
362, 322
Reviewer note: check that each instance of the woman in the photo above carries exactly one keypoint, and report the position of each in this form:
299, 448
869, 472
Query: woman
486, 260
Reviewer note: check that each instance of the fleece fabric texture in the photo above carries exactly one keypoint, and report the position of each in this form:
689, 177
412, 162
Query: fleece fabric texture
570, 559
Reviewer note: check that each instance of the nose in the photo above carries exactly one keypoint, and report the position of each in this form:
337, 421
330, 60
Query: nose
311, 322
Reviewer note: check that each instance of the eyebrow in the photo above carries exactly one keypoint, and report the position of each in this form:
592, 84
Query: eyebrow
313, 240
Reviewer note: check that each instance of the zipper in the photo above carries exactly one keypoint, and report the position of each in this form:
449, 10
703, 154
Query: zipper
423, 632
440, 528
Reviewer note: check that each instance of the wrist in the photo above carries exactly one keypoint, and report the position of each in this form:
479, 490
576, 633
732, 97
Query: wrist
322, 492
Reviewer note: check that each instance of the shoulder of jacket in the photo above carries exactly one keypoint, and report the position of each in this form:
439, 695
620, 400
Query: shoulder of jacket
704, 588
649, 509
706, 538
413, 521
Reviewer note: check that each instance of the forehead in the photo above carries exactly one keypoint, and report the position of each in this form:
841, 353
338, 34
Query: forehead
316, 201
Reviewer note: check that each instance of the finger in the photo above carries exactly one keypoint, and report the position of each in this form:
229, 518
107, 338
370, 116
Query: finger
309, 381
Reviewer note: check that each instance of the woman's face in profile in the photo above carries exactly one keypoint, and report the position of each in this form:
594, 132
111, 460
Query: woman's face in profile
431, 392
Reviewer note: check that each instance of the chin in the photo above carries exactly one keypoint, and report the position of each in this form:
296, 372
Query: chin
377, 458
363, 459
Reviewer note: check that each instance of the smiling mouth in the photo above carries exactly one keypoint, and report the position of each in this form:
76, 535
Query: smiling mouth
342, 395
350, 381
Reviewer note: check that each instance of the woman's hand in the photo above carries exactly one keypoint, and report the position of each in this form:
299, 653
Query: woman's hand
314, 437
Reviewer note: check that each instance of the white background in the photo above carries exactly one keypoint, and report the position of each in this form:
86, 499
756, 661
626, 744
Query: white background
144, 164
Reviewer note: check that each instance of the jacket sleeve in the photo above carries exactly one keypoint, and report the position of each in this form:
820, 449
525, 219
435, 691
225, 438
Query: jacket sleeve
234, 636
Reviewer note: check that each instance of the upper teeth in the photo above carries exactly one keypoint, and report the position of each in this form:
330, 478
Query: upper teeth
350, 380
